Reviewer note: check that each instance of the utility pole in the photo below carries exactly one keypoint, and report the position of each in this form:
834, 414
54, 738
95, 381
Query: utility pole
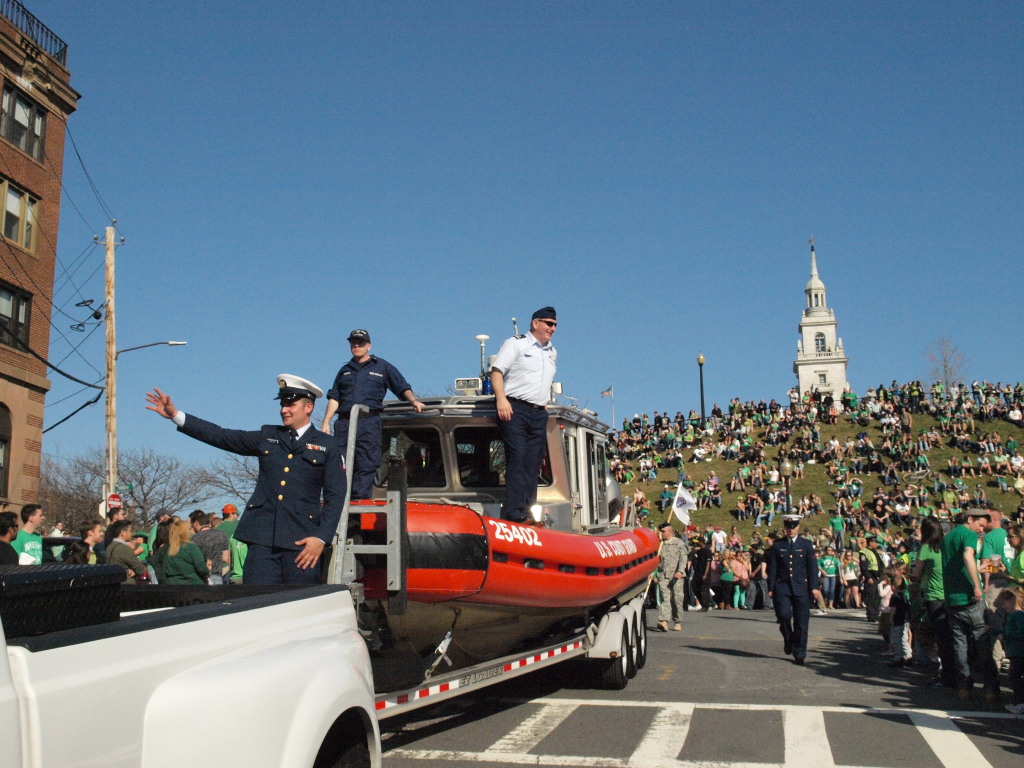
110, 486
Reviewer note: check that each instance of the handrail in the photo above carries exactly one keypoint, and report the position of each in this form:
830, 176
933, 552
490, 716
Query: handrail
40, 34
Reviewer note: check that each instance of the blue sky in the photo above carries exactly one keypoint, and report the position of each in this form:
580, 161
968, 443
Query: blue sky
286, 172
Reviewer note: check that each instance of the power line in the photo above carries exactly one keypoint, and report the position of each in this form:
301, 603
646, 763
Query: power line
10, 332
79, 408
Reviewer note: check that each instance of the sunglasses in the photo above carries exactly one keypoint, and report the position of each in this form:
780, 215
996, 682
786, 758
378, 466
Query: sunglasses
550, 323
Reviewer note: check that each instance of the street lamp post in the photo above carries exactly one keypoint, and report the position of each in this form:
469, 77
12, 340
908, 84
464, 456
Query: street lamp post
700, 365
111, 442
786, 470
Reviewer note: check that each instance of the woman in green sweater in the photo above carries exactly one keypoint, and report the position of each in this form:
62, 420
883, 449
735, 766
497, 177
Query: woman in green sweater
179, 561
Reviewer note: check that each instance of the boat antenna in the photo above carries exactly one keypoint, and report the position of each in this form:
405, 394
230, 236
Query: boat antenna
515, 328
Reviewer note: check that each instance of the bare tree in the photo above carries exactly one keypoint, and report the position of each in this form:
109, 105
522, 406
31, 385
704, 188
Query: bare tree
72, 490
160, 481
233, 475
946, 362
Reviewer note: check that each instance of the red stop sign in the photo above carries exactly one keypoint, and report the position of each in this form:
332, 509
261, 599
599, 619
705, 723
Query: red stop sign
113, 501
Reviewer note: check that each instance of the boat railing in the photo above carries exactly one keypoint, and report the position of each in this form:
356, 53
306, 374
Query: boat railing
483, 405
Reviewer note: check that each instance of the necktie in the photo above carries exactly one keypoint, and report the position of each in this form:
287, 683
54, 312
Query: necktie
294, 437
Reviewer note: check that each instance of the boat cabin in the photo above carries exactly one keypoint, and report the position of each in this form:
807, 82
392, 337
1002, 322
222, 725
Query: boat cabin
454, 455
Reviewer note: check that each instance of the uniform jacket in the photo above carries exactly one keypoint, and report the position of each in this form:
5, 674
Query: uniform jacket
286, 505
366, 384
792, 567
673, 558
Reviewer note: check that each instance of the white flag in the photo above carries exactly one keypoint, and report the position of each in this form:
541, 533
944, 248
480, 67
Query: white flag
683, 504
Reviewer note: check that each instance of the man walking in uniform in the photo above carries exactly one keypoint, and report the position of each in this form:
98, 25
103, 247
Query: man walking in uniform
792, 582
871, 567
285, 524
364, 380
521, 377
671, 582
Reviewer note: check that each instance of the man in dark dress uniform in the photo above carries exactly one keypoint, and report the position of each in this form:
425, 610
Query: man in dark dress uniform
792, 582
364, 380
285, 524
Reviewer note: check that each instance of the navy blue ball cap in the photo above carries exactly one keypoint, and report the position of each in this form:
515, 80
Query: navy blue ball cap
359, 335
544, 313
291, 388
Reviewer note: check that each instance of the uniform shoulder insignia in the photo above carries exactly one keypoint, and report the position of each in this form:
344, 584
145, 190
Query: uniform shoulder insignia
520, 336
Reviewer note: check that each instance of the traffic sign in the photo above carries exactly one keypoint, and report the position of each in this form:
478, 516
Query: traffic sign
124, 488
113, 501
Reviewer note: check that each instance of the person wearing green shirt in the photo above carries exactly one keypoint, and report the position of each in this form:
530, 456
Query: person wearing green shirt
1015, 538
928, 573
828, 567
838, 525
28, 543
965, 608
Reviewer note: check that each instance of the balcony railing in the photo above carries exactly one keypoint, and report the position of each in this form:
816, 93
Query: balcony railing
40, 34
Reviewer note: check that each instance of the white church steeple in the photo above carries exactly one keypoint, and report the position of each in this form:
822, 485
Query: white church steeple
820, 360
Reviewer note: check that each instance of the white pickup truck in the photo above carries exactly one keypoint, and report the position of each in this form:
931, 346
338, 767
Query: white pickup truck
275, 679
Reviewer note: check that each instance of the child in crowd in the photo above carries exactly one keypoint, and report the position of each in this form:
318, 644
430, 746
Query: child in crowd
885, 611
1011, 601
899, 612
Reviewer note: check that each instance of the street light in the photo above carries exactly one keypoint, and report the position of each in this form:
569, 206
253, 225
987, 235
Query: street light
700, 364
786, 470
153, 344
111, 443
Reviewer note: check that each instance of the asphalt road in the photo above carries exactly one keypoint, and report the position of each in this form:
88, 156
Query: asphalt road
720, 693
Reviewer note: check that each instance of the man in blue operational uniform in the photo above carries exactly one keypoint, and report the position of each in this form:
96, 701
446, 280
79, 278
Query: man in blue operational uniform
300, 490
521, 376
364, 380
792, 583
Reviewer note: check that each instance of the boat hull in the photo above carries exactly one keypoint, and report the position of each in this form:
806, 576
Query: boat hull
499, 584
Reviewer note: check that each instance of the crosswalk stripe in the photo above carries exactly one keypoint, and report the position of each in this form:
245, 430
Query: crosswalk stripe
806, 739
665, 737
949, 743
533, 729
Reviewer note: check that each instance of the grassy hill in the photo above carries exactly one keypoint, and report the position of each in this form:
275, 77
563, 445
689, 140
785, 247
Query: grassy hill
815, 479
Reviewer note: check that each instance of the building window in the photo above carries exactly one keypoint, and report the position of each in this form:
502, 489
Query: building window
15, 311
5, 449
823, 378
23, 123
819, 342
21, 212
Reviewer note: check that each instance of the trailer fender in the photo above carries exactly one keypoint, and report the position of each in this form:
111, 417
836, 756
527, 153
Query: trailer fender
609, 634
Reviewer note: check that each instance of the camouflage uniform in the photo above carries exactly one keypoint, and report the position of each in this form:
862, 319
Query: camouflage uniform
673, 560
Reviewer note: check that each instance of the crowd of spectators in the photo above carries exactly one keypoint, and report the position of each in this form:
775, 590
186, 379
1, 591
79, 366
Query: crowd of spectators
200, 550
875, 548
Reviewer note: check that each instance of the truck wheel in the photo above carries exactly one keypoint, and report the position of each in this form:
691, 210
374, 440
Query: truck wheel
345, 745
356, 755
615, 674
641, 644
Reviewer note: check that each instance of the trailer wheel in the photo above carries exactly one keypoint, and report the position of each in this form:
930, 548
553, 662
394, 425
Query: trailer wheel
615, 674
641, 644
634, 649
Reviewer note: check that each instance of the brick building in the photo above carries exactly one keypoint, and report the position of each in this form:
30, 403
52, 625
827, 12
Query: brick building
36, 102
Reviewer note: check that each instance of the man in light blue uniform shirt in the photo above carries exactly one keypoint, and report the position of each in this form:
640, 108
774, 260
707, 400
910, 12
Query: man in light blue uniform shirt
521, 376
